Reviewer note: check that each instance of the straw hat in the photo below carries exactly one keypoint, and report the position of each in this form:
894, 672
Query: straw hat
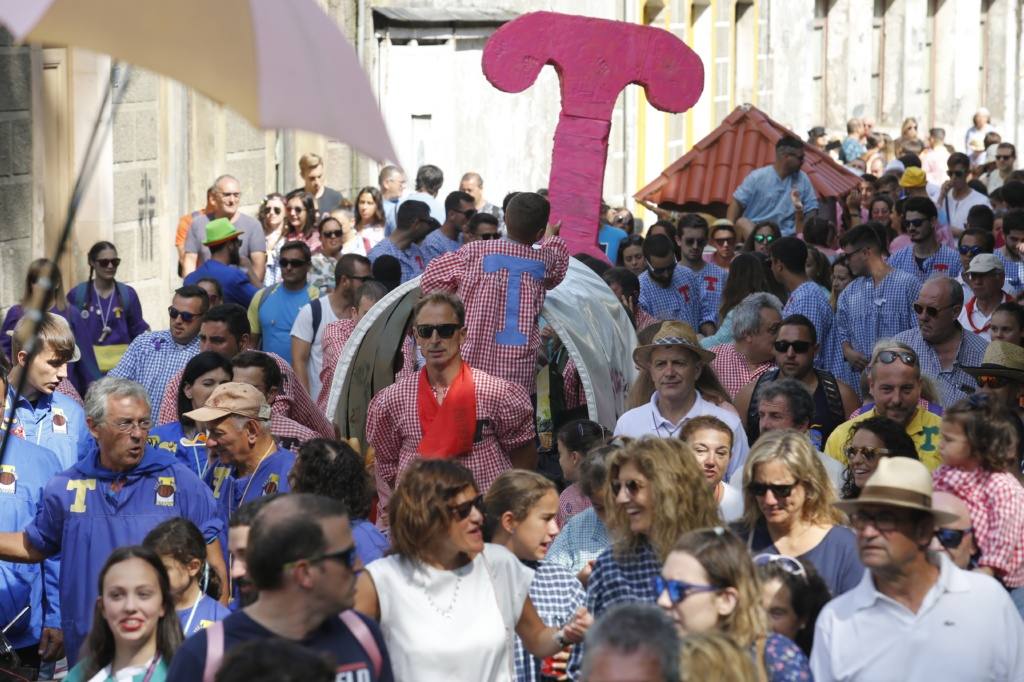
1001, 359
899, 482
672, 333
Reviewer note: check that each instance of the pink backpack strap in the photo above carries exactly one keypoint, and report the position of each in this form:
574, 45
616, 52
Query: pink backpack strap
365, 638
214, 650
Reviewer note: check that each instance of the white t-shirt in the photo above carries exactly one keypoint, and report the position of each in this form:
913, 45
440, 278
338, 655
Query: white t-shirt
451, 625
956, 211
302, 328
731, 504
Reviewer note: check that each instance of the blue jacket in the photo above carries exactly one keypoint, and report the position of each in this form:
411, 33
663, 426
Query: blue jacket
85, 516
233, 281
192, 453
25, 471
56, 422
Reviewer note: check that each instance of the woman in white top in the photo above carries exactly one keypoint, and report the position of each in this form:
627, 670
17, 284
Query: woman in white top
711, 441
448, 604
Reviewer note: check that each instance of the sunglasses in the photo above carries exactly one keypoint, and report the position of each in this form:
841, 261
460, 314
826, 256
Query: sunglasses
296, 209
869, 455
1003, 157
991, 382
915, 222
799, 347
695, 242
292, 263
887, 357
660, 271
461, 511
951, 539
956, 173
779, 490
492, 235
930, 310
347, 557
971, 250
972, 276
787, 563
884, 522
445, 331
276, 210
725, 241
469, 212
186, 317
678, 590
333, 234
367, 278
108, 262
632, 486
764, 238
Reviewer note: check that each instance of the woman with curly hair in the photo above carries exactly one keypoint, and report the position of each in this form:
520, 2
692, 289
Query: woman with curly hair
333, 469
869, 441
708, 583
447, 602
788, 503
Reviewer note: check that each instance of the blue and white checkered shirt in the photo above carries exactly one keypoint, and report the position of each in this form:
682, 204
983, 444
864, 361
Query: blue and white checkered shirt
812, 301
679, 301
712, 280
153, 360
556, 594
411, 259
437, 244
581, 540
945, 261
1013, 271
866, 313
954, 384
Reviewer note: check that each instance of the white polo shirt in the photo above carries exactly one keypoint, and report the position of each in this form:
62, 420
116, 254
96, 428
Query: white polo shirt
966, 629
646, 420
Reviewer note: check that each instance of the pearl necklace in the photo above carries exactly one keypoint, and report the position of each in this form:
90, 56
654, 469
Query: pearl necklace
447, 612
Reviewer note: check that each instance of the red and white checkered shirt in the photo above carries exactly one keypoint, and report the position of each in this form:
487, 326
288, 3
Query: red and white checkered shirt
67, 388
570, 503
732, 370
996, 503
572, 386
504, 418
293, 402
335, 337
643, 319
479, 274
288, 433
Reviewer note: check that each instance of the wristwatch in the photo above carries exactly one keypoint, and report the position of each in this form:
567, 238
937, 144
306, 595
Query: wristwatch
561, 639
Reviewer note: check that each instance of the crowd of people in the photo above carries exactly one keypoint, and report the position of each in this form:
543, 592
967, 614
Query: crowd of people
818, 473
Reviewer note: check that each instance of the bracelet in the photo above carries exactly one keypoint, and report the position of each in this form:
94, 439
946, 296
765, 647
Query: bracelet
561, 640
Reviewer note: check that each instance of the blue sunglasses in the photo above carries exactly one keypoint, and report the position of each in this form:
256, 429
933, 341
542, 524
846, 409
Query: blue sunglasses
678, 590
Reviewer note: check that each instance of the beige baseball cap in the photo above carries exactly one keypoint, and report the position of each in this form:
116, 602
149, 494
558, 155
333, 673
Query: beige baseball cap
234, 398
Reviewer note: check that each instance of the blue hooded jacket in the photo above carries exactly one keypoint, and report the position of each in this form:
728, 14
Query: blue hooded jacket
88, 511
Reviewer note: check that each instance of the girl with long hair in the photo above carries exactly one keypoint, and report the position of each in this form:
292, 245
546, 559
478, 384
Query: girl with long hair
574, 440
271, 217
369, 210
300, 219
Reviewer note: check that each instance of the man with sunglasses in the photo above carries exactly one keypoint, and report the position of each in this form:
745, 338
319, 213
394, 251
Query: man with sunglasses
956, 537
914, 616
973, 242
448, 409
1000, 376
482, 226
925, 256
459, 209
987, 281
956, 198
301, 558
670, 291
223, 241
156, 357
692, 237
894, 382
942, 346
768, 193
1006, 155
273, 310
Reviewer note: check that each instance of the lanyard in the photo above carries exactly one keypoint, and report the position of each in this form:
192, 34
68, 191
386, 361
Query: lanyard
192, 614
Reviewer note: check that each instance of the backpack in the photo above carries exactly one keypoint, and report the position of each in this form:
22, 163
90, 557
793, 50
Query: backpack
355, 624
81, 299
826, 380
314, 303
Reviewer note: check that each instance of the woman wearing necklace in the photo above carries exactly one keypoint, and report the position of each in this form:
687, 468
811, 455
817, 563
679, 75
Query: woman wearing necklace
789, 508
135, 629
449, 605
106, 316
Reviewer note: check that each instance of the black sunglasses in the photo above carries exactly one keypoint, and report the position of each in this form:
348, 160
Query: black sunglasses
367, 278
951, 539
492, 235
887, 357
445, 331
678, 590
779, 490
931, 310
175, 314
986, 381
884, 522
668, 269
972, 250
1004, 157
799, 347
956, 173
915, 222
333, 234
632, 487
344, 556
292, 263
108, 262
276, 210
693, 241
469, 212
461, 511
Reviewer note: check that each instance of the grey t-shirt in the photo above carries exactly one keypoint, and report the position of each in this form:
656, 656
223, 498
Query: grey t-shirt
253, 239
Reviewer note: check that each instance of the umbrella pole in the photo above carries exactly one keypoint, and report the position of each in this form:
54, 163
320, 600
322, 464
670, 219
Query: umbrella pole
97, 138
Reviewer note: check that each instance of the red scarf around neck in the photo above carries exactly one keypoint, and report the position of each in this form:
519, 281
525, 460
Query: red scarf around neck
448, 428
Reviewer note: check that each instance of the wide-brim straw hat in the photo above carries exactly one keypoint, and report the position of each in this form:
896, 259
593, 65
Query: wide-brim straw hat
899, 482
1001, 359
670, 334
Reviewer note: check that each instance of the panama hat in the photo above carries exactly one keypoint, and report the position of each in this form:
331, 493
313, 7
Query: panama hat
672, 333
899, 482
1001, 359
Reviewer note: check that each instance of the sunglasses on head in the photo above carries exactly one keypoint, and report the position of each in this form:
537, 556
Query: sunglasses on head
887, 357
915, 222
787, 563
951, 539
930, 310
293, 263
445, 331
869, 455
632, 487
461, 511
185, 316
779, 490
969, 250
956, 173
764, 238
799, 347
991, 382
678, 590
108, 262
492, 235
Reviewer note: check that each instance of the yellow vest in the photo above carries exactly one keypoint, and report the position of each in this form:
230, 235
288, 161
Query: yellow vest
923, 428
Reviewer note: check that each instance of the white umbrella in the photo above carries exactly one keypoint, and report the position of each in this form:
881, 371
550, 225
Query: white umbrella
278, 63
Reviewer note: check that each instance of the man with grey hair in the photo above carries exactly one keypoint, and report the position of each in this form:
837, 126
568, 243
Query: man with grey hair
755, 323
894, 381
635, 642
118, 491
226, 200
942, 345
392, 185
